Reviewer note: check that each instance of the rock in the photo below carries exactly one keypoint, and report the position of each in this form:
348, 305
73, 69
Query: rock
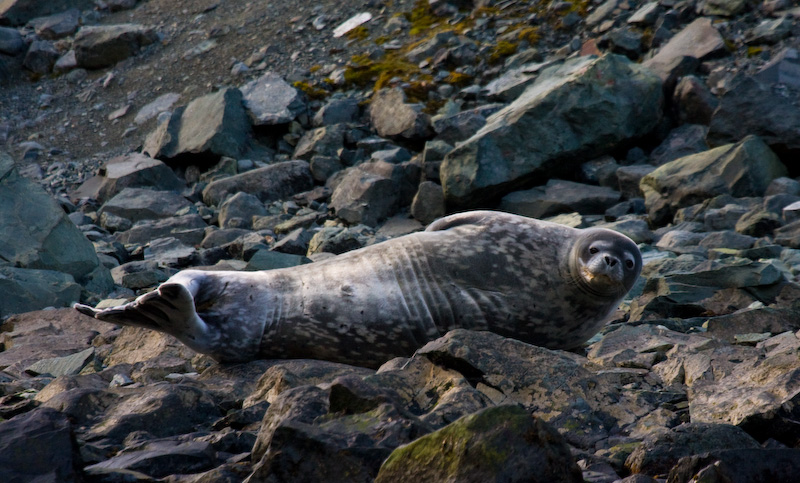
749, 465
137, 204
105, 45
770, 31
41, 57
742, 169
274, 182
322, 141
19, 12
392, 117
270, 260
270, 100
393, 156
161, 458
35, 232
39, 446
661, 451
57, 26
699, 40
62, 366
323, 167
28, 289
336, 240
152, 109
503, 442
559, 197
211, 126
129, 171
190, 229
295, 242
783, 68
758, 223
139, 274
170, 252
337, 111
432, 156
694, 102
11, 42
428, 203
647, 14
752, 108
725, 8
630, 177
498, 158
238, 211
365, 197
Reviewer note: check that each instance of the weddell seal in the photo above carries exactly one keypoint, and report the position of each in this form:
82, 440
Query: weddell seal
539, 282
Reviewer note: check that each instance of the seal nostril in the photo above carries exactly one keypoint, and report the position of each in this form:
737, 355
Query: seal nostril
610, 261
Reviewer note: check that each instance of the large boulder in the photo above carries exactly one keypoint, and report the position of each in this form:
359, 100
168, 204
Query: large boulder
742, 169
105, 45
36, 233
213, 125
27, 289
393, 117
274, 182
132, 170
270, 100
18, 12
577, 110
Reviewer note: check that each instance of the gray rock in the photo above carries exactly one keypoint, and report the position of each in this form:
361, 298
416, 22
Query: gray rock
160, 458
11, 42
336, 240
393, 156
62, 366
273, 182
365, 197
753, 108
742, 169
322, 141
137, 204
170, 252
270, 100
534, 136
647, 14
393, 117
463, 125
19, 12
428, 203
758, 223
28, 289
41, 57
432, 156
323, 167
783, 185
694, 102
270, 260
727, 8
36, 233
788, 235
57, 26
295, 242
129, 171
723, 218
660, 452
625, 41
560, 197
770, 31
508, 86
630, 177
681, 141
39, 446
783, 68
337, 111
746, 465
238, 211
139, 274
468, 449
105, 45
601, 12
190, 229
699, 40
212, 125
727, 239
152, 109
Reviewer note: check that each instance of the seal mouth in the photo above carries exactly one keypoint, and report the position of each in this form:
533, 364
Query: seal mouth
600, 283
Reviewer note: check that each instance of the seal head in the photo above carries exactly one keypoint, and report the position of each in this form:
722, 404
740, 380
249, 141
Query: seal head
605, 263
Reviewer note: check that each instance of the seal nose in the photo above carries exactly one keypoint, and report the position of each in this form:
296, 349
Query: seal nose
610, 261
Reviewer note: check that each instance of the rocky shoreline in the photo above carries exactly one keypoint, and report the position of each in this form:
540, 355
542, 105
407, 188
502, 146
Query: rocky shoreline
673, 122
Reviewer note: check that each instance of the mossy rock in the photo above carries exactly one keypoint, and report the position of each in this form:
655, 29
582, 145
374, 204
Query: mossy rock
502, 443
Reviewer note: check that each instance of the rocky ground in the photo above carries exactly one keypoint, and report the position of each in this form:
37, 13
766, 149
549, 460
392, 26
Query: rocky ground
143, 137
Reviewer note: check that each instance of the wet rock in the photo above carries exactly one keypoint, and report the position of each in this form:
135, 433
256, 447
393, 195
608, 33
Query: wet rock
190, 229
36, 233
270, 100
393, 117
238, 211
137, 204
39, 446
428, 203
274, 182
41, 57
211, 125
131, 170
105, 45
742, 169
750, 107
504, 442
57, 26
661, 451
560, 197
499, 157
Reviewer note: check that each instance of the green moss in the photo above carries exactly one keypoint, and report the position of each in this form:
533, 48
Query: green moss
457, 79
359, 33
382, 40
753, 51
363, 71
421, 17
502, 50
528, 34
314, 68
311, 91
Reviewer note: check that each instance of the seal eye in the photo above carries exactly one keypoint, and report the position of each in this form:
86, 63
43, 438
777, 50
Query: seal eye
629, 264
593, 250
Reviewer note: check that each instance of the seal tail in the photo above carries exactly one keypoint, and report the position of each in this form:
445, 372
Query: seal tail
170, 309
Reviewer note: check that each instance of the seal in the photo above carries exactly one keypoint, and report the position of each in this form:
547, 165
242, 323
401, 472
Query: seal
539, 282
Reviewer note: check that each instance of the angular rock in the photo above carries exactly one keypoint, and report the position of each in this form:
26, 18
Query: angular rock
161, 104
337, 111
238, 211
39, 446
783, 68
11, 42
190, 229
271, 260
41, 57
559, 197
751, 465
36, 233
19, 12
139, 274
725, 8
503, 443
770, 31
694, 102
25, 290
270, 100
536, 136
322, 141
753, 108
365, 197
392, 117
463, 125
700, 40
57, 26
334, 239
137, 204
428, 203
213, 125
62, 366
742, 169
170, 252
105, 45
133, 170
681, 141
161, 458
274, 182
